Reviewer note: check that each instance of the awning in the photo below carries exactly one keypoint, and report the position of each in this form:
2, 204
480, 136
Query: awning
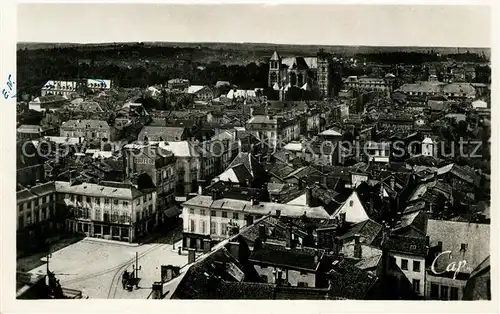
171, 212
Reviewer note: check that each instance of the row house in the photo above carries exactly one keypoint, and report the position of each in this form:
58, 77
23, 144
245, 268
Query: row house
109, 210
88, 129
193, 164
209, 218
274, 131
48, 103
159, 164
36, 213
369, 84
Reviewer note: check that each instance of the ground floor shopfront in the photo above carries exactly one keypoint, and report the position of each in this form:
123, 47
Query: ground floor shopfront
113, 231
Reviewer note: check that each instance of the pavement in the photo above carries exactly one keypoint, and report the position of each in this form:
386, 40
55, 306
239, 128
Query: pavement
95, 267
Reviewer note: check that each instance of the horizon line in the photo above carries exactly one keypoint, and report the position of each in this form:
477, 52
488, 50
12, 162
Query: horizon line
246, 42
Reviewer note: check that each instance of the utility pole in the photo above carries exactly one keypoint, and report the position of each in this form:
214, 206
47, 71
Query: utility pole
136, 268
49, 255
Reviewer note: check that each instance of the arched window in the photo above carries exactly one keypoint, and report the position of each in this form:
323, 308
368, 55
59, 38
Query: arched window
274, 77
293, 79
300, 79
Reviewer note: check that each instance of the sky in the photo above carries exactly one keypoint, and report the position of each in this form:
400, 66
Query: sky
376, 25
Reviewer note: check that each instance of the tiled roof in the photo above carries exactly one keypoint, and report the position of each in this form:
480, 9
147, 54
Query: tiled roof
161, 133
406, 245
35, 192
83, 124
95, 190
368, 231
292, 258
29, 128
251, 164
246, 291
461, 172
350, 282
262, 208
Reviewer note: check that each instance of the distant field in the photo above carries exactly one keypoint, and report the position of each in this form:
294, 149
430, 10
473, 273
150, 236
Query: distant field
260, 48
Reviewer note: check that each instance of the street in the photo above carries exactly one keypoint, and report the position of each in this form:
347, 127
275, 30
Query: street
95, 267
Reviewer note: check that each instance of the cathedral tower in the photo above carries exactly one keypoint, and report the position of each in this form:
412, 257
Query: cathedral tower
324, 73
274, 70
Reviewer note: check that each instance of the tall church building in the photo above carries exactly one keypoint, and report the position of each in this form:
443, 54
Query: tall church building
307, 73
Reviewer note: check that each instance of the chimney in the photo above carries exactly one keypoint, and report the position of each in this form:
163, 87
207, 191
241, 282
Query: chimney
191, 256
308, 196
200, 190
262, 232
157, 290
357, 246
289, 237
79, 140
207, 245
169, 272
249, 220
234, 249
342, 218
279, 276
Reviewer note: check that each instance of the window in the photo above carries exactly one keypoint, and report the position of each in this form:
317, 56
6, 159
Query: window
416, 285
106, 201
28, 205
224, 214
98, 200
88, 199
125, 204
434, 291
106, 216
416, 266
302, 284
115, 202
202, 212
213, 228
463, 247
192, 226
144, 199
404, 264
444, 293
79, 198
223, 229
213, 213
203, 226
351, 203
191, 211
97, 214
235, 216
453, 293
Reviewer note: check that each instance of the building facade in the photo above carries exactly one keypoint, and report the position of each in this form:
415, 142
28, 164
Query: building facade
88, 129
159, 164
112, 211
37, 215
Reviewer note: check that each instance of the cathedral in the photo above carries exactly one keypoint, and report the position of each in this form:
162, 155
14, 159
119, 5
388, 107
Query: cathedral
307, 73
